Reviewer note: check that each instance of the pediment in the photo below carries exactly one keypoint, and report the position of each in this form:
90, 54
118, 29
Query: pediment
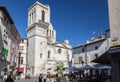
59, 44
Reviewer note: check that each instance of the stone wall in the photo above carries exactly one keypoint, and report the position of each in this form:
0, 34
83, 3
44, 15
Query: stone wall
114, 20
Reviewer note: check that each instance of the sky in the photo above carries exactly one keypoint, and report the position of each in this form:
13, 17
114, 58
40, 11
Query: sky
74, 20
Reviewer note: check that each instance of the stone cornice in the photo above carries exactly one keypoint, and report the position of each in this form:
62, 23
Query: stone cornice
41, 24
37, 35
38, 3
31, 26
51, 60
52, 44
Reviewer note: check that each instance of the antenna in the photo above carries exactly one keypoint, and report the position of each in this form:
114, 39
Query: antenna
93, 33
93, 36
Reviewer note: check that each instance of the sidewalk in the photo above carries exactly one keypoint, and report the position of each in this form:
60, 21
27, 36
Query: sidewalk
26, 80
33, 80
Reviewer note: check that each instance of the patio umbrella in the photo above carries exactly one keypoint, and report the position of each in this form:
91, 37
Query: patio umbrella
105, 67
86, 67
99, 66
71, 68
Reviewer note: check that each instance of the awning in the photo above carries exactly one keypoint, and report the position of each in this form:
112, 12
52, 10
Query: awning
20, 69
103, 59
114, 53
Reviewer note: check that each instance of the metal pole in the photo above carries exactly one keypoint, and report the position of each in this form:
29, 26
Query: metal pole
85, 54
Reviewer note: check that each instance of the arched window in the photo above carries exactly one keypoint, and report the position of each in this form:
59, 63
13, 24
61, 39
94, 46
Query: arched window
43, 15
41, 55
96, 47
21, 60
29, 18
32, 17
80, 59
48, 54
47, 32
59, 50
52, 33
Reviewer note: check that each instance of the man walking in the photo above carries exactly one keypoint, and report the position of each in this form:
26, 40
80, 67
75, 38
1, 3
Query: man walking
44, 77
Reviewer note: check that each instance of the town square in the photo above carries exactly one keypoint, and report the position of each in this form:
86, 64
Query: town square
60, 41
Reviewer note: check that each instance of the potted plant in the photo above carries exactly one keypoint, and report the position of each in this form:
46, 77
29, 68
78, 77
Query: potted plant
60, 69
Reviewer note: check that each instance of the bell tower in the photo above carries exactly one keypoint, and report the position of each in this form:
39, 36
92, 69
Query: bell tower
38, 23
38, 12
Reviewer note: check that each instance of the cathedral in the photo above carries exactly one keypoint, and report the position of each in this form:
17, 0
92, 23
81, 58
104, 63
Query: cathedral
44, 52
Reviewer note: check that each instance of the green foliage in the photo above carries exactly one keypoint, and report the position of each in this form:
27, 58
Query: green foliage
60, 70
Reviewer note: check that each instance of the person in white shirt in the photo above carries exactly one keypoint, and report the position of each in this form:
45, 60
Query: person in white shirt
44, 77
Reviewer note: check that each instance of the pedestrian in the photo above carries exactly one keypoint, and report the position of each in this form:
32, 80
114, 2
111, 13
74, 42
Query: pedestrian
44, 77
9, 79
108, 79
57, 79
40, 78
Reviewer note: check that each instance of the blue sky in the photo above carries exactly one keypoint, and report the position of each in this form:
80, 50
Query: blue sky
75, 20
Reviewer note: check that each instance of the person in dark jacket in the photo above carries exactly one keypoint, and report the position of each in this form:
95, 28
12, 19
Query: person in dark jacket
40, 78
9, 79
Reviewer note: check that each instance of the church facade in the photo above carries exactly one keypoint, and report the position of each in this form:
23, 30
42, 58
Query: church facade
44, 52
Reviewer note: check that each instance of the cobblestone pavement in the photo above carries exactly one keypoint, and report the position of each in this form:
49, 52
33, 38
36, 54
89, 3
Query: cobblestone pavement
26, 80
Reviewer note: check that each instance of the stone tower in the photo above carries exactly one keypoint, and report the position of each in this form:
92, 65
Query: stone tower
43, 49
39, 33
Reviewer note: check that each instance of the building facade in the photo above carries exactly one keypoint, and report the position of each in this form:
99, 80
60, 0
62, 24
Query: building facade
44, 52
23, 56
114, 8
88, 53
9, 43
114, 51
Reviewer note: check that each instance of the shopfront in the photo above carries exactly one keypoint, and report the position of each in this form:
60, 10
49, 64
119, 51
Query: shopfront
3, 69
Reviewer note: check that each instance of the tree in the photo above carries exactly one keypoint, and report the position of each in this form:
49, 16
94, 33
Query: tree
60, 69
